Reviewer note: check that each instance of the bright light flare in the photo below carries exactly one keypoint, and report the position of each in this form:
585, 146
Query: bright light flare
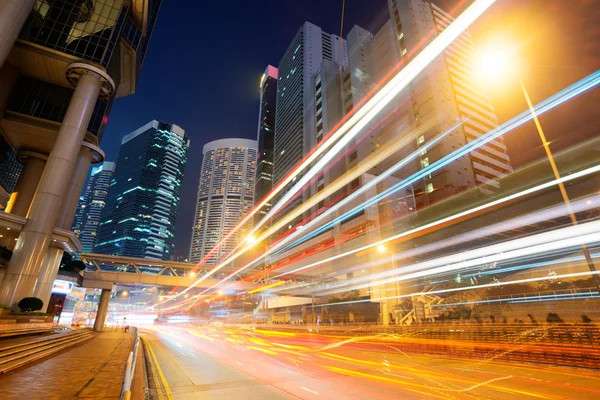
498, 61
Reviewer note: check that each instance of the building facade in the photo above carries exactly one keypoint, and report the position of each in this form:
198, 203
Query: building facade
446, 93
265, 140
139, 219
62, 64
225, 196
295, 134
92, 204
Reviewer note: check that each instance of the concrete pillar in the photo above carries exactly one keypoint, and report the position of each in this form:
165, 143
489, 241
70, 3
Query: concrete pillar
102, 310
51, 263
13, 14
69, 208
45, 280
20, 199
385, 316
26, 262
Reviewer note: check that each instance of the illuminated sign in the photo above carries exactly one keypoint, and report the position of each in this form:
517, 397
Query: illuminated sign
62, 287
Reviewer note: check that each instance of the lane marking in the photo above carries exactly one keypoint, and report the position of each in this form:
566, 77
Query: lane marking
155, 364
308, 390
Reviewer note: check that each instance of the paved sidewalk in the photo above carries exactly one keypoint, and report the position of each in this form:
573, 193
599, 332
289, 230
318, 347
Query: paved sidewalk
93, 370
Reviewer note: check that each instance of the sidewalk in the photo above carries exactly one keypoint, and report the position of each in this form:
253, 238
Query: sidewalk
93, 370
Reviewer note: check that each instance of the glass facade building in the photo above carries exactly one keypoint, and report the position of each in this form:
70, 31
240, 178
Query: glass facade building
139, 219
265, 139
225, 196
92, 204
10, 168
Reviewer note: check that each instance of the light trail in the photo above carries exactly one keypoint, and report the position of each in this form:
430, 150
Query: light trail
358, 121
548, 104
442, 221
554, 212
534, 244
260, 289
466, 288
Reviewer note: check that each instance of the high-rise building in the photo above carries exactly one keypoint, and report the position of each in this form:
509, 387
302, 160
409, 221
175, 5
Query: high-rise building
10, 169
265, 139
139, 219
446, 93
92, 204
295, 134
225, 196
62, 65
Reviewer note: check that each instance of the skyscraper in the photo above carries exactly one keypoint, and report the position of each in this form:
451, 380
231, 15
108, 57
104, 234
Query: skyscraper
139, 219
446, 93
225, 195
92, 204
265, 139
295, 117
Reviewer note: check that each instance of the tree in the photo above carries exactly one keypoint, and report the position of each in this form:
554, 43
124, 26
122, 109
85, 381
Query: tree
31, 304
73, 266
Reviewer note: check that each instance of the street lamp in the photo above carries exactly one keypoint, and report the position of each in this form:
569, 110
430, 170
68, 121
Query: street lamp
382, 249
497, 61
252, 241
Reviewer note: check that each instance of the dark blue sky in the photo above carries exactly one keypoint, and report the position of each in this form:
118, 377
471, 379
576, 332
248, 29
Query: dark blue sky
206, 58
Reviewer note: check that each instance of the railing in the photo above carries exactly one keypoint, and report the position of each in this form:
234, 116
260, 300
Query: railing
130, 369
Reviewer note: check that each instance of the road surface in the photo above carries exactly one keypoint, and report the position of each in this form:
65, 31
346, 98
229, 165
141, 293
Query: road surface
232, 363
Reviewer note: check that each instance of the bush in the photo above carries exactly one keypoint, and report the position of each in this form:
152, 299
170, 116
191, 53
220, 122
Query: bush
553, 318
532, 319
585, 319
30, 304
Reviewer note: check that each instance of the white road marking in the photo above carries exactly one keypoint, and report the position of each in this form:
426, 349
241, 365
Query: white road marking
308, 390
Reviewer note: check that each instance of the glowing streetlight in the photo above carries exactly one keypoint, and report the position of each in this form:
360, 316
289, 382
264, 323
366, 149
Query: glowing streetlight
192, 274
381, 248
124, 293
251, 240
498, 62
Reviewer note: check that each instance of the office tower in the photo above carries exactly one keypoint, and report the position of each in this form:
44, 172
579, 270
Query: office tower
225, 196
445, 93
265, 140
92, 204
139, 219
294, 117
62, 65
10, 169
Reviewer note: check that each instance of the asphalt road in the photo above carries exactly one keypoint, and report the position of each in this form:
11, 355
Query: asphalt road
227, 363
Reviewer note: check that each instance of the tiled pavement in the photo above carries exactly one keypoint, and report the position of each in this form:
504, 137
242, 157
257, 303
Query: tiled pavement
93, 370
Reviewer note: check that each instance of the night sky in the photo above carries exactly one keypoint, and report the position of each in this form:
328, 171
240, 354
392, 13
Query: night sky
205, 61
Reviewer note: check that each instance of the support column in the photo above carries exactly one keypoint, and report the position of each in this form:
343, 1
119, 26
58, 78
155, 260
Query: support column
26, 262
13, 14
51, 263
21, 197
102, 310
45, 280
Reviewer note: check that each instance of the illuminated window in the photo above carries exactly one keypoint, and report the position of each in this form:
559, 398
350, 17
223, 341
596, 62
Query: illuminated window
429, 187
425, 162
421, 139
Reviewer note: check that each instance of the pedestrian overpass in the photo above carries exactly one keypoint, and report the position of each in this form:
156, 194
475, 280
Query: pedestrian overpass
104, 270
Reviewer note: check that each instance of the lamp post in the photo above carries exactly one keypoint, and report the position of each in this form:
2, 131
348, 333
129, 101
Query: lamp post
253, 241
495, 62
382, 249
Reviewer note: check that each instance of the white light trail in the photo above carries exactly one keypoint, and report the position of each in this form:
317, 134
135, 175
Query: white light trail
536, 244
442, 221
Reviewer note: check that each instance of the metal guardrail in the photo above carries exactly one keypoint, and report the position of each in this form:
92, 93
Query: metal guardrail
130, 369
